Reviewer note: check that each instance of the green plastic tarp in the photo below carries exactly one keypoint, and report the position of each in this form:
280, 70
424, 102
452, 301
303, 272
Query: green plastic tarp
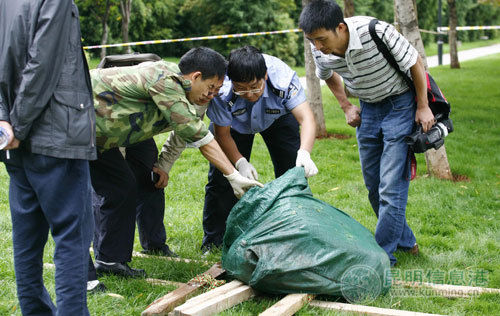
280, 239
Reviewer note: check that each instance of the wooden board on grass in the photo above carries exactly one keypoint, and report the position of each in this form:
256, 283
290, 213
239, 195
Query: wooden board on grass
215, 303
365, 310
167, 303
288, 305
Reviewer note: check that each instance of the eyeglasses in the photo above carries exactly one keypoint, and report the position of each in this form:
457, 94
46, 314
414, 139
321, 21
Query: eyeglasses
253, 91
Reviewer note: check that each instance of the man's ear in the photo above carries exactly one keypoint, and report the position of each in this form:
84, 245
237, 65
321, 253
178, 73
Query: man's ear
195, 75
265, 77
342, 27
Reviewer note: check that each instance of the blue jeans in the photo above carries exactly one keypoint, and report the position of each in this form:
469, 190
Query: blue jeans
53, 194
385, 165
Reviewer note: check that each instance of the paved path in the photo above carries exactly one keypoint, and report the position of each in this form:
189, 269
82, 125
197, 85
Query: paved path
432, 61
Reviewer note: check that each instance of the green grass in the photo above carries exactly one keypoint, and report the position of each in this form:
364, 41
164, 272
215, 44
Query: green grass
456, 223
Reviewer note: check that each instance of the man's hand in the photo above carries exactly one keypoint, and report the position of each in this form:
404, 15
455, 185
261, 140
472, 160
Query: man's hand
352, 115
12, 142
304, 160
163, 181
240, 184
246, 169
424, 117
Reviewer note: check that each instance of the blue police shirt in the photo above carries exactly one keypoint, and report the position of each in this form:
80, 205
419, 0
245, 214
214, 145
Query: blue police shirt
253, 117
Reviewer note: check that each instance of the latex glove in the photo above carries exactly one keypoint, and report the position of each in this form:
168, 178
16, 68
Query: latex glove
246, 169
240, 184
304, 160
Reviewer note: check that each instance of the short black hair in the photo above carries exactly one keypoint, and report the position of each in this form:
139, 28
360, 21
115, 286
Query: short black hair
246, 64
205, 60
319, 14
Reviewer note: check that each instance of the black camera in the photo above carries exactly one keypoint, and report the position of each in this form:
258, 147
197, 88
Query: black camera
420, 142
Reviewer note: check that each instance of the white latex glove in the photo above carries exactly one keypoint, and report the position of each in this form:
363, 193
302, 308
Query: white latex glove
304, 160
246, 169
240, 184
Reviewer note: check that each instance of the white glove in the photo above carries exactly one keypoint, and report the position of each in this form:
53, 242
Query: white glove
240, 184
246, 169
304, 160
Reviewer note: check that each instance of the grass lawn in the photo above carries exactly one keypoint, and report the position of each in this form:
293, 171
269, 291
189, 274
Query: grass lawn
456, 223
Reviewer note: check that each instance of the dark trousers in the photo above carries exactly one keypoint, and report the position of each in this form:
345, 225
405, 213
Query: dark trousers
128, 194
53, 194
282, 140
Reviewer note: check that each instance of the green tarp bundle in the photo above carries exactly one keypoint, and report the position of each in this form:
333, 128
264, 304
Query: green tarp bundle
280, 239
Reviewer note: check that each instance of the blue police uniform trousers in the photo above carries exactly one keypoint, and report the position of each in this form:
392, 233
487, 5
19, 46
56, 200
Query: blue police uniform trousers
282, 140
48, 193
385, 165
128, 195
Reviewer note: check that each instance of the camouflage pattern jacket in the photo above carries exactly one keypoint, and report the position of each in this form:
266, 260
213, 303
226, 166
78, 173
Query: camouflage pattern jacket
138, 102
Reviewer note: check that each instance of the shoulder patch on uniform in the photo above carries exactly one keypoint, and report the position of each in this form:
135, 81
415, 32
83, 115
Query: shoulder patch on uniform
239, 112
273, 111
292, 91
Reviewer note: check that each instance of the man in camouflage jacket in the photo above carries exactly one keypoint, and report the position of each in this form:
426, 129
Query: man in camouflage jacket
133, 104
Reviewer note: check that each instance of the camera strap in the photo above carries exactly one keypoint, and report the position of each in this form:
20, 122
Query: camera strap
413, 165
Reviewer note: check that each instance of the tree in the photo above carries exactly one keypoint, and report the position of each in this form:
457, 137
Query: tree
125, 8
452, 34
406, 14
348, 8
241, 16
313, 87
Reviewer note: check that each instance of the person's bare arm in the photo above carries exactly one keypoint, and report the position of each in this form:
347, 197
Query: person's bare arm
423, 115
350, 110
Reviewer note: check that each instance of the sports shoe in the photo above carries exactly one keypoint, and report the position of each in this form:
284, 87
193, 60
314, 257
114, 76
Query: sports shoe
164, 251
95, 286
118, 268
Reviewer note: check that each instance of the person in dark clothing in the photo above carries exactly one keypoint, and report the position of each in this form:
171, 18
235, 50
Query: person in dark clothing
46, 110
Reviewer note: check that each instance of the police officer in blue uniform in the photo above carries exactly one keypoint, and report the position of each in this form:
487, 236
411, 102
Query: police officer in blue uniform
261, 94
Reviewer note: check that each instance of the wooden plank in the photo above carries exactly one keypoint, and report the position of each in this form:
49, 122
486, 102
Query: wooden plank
207, 296
365, 310
448, 290
288, 305
220, 303
142, 255
163, 282
165, 304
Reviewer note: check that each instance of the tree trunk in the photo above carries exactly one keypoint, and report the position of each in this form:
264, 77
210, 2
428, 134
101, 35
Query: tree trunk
104, 38
348, 8
313, 87
452, 34
105, 28
125, 7
406, 13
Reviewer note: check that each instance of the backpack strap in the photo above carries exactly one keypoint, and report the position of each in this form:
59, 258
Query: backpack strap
387, 55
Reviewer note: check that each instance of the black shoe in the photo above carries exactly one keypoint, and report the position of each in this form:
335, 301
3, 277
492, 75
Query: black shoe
118, 268
95, 286
163, 251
